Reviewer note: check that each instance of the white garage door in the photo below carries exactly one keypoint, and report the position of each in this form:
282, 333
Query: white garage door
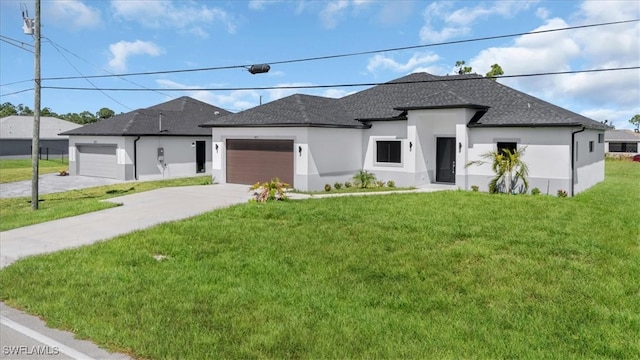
97, 160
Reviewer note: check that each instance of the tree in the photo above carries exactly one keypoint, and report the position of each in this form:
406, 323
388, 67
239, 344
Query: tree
105, 113
509, 168
48, 112
7, 109
495, 71
463, 69
635, 120
24, 110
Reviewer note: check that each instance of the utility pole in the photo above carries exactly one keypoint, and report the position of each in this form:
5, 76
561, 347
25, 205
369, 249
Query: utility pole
35, 144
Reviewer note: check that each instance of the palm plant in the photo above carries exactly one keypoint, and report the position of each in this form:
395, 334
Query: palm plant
509, 168
364, 179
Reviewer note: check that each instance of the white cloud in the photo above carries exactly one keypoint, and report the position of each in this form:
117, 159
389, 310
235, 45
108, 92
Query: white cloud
611, 95
336, 93
174, 14
418, 60
121, 51
233, 101
458, 22
332, 12
275, 94
74, 13
542, 13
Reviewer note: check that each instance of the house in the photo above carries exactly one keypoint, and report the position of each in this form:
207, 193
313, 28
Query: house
16, 135
621, 142
161, 141
417, 130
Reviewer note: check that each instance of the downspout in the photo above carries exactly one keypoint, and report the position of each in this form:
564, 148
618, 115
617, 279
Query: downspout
135, 157
573, 158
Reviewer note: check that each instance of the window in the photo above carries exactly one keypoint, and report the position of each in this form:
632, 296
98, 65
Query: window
623, 147
389, 151
591, 146
511, 146
600, 138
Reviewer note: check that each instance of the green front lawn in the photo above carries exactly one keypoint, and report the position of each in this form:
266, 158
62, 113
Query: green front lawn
21, 169
17, 212
430, 275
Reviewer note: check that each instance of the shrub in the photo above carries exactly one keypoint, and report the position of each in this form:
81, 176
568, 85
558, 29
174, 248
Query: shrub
272, 190
364, 179
380, 183
337, 185
562, 193
535, 191
475, 188
347, 184
391, 183
327, 187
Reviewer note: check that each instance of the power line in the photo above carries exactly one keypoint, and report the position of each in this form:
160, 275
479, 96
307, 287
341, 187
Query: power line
17, 43
442, 79
353, 53
58, 46
16, 92
87, 80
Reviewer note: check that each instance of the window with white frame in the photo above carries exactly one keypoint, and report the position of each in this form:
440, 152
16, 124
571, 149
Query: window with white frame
389, 151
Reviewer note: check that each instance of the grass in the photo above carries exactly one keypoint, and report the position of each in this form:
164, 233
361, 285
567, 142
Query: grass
432, 275
19, 170
17, 212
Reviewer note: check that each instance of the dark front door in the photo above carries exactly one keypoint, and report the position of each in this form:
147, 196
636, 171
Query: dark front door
201, 156
446, 160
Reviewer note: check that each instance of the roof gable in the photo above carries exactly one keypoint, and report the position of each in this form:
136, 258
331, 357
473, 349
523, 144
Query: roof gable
178, 117
293, 110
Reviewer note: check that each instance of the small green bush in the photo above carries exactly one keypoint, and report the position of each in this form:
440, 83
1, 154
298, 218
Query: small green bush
327, 187
391, 183
347, 184
535, 191
380, 183
475, 188
337, 186
562, 193
364, 179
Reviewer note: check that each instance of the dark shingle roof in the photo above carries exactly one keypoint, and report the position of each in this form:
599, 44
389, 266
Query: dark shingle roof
497, 104
294, 110
179, 117
621, 135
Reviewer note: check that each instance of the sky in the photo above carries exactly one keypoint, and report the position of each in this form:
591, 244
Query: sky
89, 38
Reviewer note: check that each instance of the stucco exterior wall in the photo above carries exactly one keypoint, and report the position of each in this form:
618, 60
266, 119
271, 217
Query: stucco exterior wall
589, 160
179, 158
388, 130
327, 154
76, 141
547, 154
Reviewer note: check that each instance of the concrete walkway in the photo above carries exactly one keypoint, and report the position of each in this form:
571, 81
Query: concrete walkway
24, 336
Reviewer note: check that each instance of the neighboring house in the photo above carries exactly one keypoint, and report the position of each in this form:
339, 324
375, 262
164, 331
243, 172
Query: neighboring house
621, 142
417, 130
157, 142
16, 135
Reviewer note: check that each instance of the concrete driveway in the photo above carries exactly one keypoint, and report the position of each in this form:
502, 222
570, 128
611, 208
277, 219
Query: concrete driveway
24, 336
51, 183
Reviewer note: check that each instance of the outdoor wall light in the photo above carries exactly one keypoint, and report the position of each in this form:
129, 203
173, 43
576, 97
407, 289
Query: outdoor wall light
300, 150
217, 147
459, 147
410, 145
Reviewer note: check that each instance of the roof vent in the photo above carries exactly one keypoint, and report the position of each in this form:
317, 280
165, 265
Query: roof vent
216, 113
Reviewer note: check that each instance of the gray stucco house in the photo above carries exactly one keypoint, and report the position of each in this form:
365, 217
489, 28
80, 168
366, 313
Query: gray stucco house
16, 135
161, 141
621, 142
417, 130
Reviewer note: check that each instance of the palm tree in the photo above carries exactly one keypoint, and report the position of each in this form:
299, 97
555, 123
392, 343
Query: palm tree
509, 168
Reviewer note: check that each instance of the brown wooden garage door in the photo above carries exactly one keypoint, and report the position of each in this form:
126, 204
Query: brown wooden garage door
250, 161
